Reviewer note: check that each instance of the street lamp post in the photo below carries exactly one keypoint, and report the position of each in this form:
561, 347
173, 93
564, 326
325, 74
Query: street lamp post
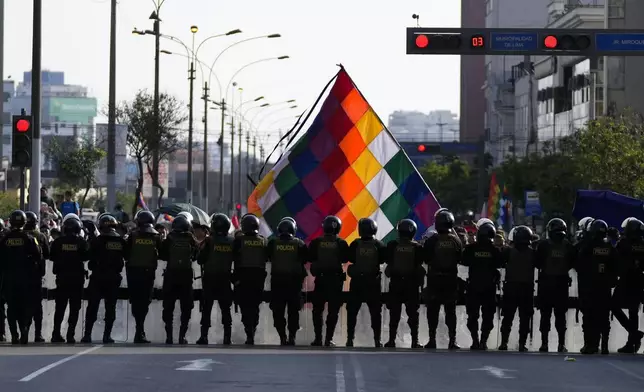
191, 78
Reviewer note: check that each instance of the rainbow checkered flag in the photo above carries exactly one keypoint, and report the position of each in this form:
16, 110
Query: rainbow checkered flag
346, 164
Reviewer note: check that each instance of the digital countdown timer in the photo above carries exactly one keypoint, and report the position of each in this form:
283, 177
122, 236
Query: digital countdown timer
477, 41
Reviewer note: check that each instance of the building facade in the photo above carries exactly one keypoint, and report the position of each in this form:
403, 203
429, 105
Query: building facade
435, 126
472, 108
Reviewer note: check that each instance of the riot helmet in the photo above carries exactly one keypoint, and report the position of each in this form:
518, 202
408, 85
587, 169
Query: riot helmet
598, 229
32, 220
331, 225
71, 216
367, 228
407, 229
72, 227
556, 229
187, 215
522, 235
181, 224
107, 223
486, 233
287, 227
483, 221
17, 220
220, 224
444, 221
632, 228
584, 223
250, 224
144, 218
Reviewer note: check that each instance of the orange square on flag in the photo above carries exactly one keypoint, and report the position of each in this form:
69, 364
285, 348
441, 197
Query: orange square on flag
349, 222
355, 106
352, 145
348, 185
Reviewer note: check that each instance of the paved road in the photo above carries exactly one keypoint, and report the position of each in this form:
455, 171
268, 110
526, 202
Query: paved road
129, 368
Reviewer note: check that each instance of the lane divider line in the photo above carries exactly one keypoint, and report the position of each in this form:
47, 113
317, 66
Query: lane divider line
58, 363
340, 384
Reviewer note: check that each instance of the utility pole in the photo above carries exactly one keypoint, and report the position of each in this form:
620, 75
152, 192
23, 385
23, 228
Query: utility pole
111, 117
254, 171
157, 116
36, 102
248, 189
204, 188
221, 154
2, 80
232, 161
239, 163
191, 77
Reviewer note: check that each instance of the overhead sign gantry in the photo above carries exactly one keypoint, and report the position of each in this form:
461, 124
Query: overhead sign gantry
515, 41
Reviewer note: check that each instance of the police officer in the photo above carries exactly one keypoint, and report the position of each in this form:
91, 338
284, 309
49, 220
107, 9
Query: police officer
519, 261
287, 255
483, 260
405, 268
3, 302
442, 253
250, 257
19, 262
216, 260
69, 253
366, 254
106, 261
630, 287
554, 259
31, 227
597, 274
141, 255
327, 254
179, 249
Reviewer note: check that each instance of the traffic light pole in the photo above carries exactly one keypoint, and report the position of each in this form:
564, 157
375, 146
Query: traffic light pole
111, 116
36, 90
23, 187
2, 77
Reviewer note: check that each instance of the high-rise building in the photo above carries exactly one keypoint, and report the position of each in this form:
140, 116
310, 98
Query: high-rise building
472, 109
413, 126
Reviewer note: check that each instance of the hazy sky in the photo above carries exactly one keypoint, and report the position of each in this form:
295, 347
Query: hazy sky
366, 36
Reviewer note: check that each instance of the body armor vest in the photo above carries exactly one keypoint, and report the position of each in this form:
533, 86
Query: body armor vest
445, 252
285, 259
404, 258
520, 267
181, 251
328, 254
144, 252
253, 252
367, 257
557, 259
220, 260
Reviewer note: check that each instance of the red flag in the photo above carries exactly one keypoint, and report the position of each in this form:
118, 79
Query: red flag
235, 222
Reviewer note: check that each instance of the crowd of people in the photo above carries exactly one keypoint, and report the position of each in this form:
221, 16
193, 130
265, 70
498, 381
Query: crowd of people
233, 270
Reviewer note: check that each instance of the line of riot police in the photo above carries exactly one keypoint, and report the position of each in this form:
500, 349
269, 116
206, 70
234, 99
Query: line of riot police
234, 270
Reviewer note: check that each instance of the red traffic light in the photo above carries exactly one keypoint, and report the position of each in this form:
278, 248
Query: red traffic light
23, 125
422, 41
550, 42
421, 148
238, 206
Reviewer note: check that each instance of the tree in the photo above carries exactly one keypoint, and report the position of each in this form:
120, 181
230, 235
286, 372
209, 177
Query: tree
452, 183
76, 162
8, 203
144, 136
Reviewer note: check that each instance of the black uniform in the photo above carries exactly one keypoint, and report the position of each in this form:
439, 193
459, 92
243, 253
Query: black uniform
287, 255
404, 260
597, 272
327, 254
250, 258
629, 292
68, 254
43, 243
106, 261
483, 260
19, 260
141, 254
216, 260
519, 262
442, 253
365, 256
179, 249
554, 259
2, 300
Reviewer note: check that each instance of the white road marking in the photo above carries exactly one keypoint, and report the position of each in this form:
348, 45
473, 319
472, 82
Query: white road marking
625, 371
199, 365
357, 373
57, 363
495, 371
340, 384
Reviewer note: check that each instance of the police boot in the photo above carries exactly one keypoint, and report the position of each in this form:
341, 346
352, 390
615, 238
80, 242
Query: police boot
24, 336
376, 337
291, 338
203, 339
70, 338
391, 343
544, 343
107, 334
38, 331
431, 345
505, 337
328, 339
87, 336
561, 347
590, 344
523, 338
2, 338
476, 344
183, 330
452, 342
250, 337
168, 334
414, 338
56, 337
139, 336
282, 335
604, 347
483, 343
227, 335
